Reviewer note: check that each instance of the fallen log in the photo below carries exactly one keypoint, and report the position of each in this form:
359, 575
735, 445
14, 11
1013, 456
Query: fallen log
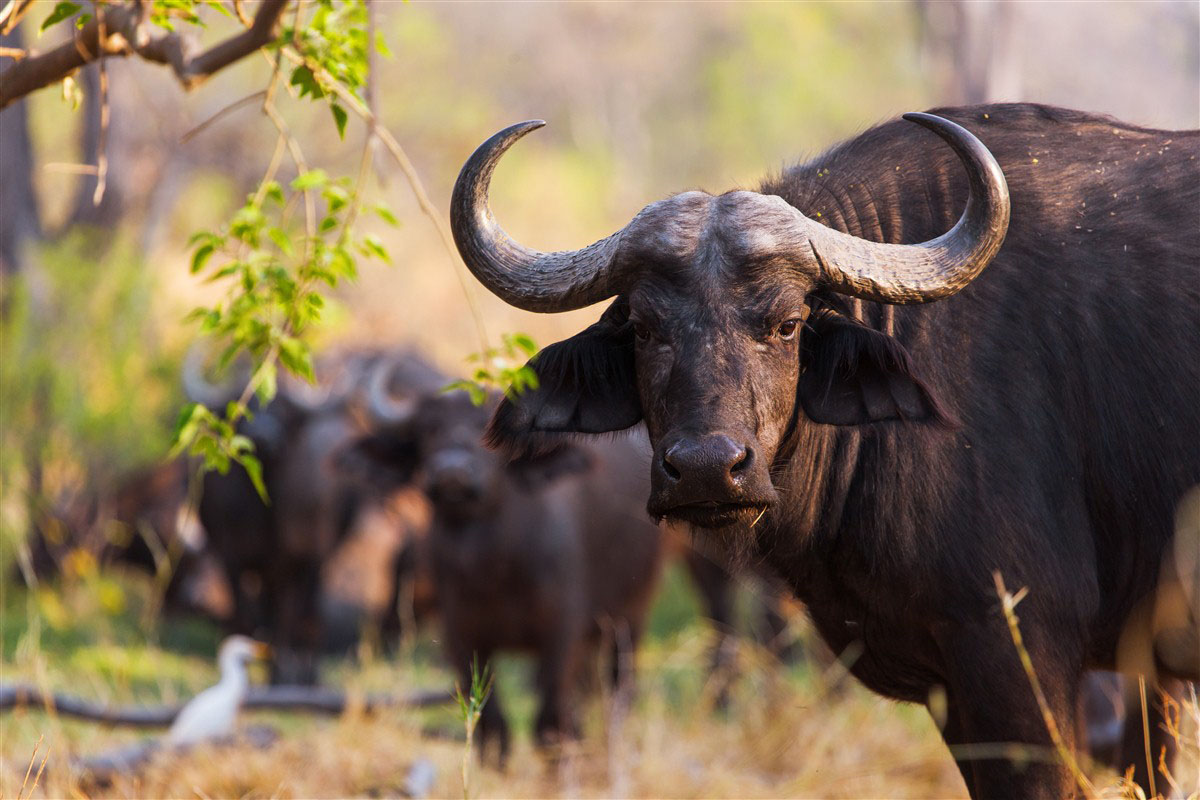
296, 699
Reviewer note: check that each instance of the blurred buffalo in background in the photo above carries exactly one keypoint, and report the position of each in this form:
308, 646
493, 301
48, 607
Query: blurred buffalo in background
551, 554
718, 576
273, 552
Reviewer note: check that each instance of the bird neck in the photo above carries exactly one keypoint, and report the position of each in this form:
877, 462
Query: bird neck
234, 675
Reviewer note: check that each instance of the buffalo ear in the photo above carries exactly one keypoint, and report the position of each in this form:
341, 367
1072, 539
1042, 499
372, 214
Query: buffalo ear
586, 384
853, 375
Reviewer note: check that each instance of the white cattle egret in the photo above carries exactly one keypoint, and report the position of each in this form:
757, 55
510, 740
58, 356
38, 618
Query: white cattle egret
213, 713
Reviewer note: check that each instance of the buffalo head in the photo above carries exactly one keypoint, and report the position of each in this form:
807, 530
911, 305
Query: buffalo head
434, 439
717, 338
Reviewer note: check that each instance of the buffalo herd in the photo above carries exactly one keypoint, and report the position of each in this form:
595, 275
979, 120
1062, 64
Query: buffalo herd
956, 353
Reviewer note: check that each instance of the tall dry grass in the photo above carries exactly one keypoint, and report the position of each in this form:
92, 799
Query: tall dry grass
792, 733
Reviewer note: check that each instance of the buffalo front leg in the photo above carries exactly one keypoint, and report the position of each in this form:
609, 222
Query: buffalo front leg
298, 622
994, 725
716, 586
555, 676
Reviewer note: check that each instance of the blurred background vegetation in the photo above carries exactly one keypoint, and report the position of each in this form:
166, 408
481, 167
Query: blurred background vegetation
642, 100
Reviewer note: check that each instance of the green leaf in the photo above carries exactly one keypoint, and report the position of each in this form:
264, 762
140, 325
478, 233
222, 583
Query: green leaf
201, 256
62, 11
186, 428
234, 410
339, 118
205, 236
265, 382
381, 45
531, 378
274, 191
524, 343
281, 240
224, 272
373, 245
303, 77
386, 215
216, 6
296, 357
476, 392
253, 468
312, 179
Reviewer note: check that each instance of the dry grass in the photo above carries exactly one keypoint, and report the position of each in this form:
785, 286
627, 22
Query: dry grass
799, 732
790, 735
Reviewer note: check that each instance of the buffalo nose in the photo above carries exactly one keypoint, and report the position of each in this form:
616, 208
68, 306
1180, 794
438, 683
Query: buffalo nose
710, 458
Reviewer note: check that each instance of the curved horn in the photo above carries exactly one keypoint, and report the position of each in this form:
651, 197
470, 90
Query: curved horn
200, 389
525, 278
384, 408
920, 273
338, 377
305, 396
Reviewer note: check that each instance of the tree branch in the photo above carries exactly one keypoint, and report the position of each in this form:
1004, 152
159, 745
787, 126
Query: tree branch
120, 31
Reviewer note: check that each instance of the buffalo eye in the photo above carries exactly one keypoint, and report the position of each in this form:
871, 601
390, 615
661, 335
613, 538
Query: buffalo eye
641, 332
787, 329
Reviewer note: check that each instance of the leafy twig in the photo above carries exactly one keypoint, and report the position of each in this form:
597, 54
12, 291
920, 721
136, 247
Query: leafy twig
470, 708
410, 174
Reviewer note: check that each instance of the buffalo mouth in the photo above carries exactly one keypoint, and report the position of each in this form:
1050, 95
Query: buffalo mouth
714, 514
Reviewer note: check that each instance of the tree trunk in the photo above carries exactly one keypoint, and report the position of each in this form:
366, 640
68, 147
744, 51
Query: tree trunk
19, 219
968, 48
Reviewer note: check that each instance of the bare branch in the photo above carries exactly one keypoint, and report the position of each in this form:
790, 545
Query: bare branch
241, 13
235, 105
120, 31
105, 111
12, 12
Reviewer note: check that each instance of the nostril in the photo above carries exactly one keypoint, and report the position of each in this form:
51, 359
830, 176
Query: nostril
743, 463
669, 468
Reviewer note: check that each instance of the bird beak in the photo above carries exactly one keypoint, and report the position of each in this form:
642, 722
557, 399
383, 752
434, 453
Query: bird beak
262, 651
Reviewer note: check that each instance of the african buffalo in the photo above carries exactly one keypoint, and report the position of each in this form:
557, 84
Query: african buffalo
273, 552
549, 554
888, 455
